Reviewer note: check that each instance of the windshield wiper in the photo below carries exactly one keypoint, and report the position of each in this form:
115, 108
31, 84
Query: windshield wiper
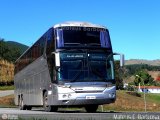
95, 72
76, 76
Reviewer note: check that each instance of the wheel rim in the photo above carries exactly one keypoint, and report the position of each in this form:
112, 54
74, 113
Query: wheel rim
45, 102
22, 103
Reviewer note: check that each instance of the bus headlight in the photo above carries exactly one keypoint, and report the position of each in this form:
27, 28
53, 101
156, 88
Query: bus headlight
69, 95
66, 95
110, 85
112, 95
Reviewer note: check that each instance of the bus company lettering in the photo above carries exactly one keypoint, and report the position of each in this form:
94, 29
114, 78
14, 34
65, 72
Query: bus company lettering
75, 56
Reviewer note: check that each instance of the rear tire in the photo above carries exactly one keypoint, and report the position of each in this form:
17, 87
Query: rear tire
48, 108
91, 108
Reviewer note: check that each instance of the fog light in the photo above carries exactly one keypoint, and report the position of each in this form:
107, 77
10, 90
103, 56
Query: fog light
69, 95
113, 95
110, 85
64, 96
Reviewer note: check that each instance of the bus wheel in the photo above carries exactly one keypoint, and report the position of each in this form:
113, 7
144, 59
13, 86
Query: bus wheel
48, 108
91, 108
21, 104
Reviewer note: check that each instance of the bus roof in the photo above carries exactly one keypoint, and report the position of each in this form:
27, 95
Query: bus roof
78, 24
71, 24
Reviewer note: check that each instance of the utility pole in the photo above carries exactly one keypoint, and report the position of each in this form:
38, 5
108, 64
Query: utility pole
144, 95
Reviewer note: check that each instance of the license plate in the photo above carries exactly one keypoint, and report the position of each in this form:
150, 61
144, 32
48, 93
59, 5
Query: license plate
90, 97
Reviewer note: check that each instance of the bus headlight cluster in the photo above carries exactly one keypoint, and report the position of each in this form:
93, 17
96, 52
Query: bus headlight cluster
110, 85
66, 96
112, 95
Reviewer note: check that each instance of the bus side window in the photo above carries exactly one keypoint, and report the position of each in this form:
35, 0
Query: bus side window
51, 65
50, 57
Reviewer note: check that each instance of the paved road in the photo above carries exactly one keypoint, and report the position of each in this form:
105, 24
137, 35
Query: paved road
38, 114
6, 92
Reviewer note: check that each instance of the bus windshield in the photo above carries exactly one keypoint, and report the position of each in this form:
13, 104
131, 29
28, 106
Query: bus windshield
75, 68
82, 37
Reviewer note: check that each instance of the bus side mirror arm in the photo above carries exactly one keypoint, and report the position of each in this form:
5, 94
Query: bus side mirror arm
121, 58
57, 58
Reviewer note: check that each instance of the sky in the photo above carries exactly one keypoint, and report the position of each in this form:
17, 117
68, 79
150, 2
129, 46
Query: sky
134, 25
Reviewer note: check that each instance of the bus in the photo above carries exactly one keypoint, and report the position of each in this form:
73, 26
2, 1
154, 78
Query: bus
70, 65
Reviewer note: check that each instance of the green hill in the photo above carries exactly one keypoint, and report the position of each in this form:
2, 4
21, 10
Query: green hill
11, 50
13, 44
143, 61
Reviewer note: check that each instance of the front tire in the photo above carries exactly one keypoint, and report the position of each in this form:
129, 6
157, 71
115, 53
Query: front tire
48, 108
28, 107
91, 108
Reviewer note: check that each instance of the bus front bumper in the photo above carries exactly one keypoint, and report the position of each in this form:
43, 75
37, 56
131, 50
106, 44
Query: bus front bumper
98, 98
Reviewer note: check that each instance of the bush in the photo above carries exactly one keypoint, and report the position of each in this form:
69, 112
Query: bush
8, 83
130, 88
134, 93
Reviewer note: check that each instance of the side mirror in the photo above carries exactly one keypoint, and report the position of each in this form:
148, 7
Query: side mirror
57, 58
121, 58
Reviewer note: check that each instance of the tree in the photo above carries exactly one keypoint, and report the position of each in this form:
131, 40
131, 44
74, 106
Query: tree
144, 78
6, 53
118, 75
3, 50
158, 77
14, 54
132, 69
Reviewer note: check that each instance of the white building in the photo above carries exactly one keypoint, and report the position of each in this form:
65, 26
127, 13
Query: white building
149, 89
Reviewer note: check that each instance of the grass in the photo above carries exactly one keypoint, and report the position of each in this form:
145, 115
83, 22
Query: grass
130, 102
11, 87
7, 101
153, 97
